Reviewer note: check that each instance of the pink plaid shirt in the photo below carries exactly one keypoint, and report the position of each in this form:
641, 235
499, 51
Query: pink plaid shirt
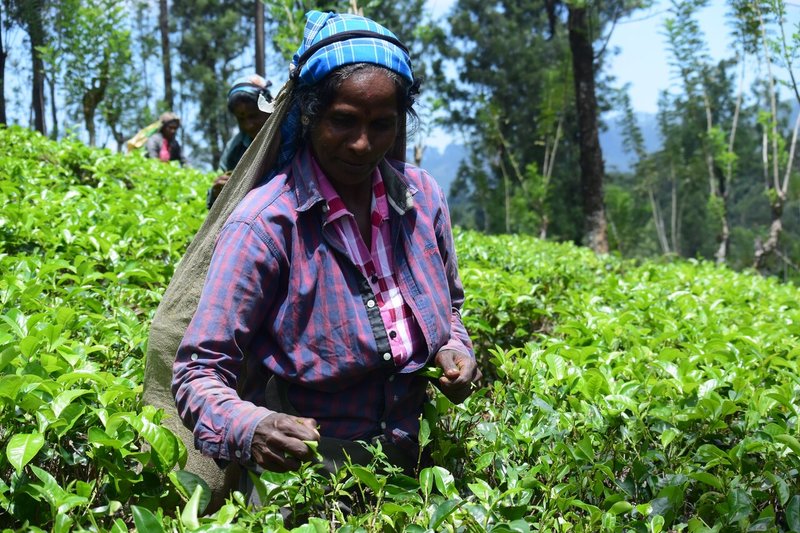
282, 298
377, 265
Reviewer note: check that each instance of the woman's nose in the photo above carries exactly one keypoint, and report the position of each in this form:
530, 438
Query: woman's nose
361, 141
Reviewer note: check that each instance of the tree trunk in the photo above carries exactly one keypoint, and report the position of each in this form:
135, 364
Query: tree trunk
163, 24
93, 97
419, 152
725, 182
260, 68
591, 156
658, 221
33, 14
52, 86
674, 219
775, 228
3, 55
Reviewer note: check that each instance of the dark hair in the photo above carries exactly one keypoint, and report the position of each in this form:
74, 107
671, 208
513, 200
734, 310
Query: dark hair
313, 100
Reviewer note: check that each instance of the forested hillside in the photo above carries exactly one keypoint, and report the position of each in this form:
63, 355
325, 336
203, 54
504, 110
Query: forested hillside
522, 85
618, 395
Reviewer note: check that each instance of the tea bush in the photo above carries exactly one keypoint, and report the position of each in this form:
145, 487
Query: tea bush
620, 396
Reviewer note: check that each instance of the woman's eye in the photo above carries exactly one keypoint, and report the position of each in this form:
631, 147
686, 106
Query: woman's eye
385, 124
341, 121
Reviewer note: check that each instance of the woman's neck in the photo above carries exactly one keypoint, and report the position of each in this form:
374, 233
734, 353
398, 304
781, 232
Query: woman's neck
356, 197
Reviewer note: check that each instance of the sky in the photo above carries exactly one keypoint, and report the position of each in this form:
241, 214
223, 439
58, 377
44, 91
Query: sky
642, 60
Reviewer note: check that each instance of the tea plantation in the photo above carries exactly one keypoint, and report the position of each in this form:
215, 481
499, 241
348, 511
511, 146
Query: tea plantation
619, 396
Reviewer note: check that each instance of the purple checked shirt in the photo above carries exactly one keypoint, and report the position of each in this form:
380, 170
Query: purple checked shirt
282, 298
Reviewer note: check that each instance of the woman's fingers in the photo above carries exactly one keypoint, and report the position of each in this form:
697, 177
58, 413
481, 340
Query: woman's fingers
460, 372
278, 441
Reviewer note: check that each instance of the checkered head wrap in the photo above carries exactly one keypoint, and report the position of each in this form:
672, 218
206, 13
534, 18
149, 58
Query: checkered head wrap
333, 40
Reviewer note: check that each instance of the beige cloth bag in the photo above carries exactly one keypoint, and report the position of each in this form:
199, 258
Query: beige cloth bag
180, 300
183, 293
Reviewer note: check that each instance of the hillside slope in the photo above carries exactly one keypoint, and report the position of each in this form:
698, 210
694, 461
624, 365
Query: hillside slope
618, 395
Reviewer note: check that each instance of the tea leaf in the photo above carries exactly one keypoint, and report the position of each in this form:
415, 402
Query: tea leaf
22, 448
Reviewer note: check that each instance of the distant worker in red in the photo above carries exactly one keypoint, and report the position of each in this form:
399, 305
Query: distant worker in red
163, 144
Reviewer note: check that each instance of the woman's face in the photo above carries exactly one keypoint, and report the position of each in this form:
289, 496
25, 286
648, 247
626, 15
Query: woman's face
358, 128
169, 130
249, 117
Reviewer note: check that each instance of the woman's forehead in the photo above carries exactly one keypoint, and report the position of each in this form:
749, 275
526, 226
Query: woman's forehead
370, 88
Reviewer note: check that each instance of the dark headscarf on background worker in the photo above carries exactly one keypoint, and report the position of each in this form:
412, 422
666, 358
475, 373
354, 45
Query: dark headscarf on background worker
333, 282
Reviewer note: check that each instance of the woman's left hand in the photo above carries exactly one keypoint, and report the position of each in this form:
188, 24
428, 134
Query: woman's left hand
459, 374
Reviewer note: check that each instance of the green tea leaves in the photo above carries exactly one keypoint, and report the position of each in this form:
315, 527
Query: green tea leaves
433, 372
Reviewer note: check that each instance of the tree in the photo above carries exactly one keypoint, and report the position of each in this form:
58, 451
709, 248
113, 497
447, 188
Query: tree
511, 101
591, 155
93, 53
708, 84
145, 53
259, 35
213, 34
288, 21
778, 152
646, 174
4, 24
166, 59
29, 14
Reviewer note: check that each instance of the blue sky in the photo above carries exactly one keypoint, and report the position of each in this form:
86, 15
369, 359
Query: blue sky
643, 56
643, 60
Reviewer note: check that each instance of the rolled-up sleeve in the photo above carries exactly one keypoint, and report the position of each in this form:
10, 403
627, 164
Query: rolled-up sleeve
239, 288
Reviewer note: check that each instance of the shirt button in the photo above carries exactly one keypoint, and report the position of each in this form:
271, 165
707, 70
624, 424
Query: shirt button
194, 357
325, 208
371, 303
387, 356
395, 397
392, 334
383, 425
238, 454
391, 378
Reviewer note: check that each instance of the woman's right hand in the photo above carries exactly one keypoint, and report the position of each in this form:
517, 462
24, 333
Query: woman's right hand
219, 183
278, 442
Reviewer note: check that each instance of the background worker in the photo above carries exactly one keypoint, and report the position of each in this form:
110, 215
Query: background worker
243, 99
163, 144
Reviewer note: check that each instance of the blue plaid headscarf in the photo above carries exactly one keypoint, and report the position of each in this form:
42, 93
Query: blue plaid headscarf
360, 49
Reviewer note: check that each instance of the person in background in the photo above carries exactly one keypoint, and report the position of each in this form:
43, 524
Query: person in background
334, 284
243, 101
163, 144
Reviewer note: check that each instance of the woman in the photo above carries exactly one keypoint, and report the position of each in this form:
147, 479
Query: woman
243, 103
332, 283
163, 144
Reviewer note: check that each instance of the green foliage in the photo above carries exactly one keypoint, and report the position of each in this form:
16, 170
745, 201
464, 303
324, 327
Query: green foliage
620, 396
91, 53
513, 100
84, 256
